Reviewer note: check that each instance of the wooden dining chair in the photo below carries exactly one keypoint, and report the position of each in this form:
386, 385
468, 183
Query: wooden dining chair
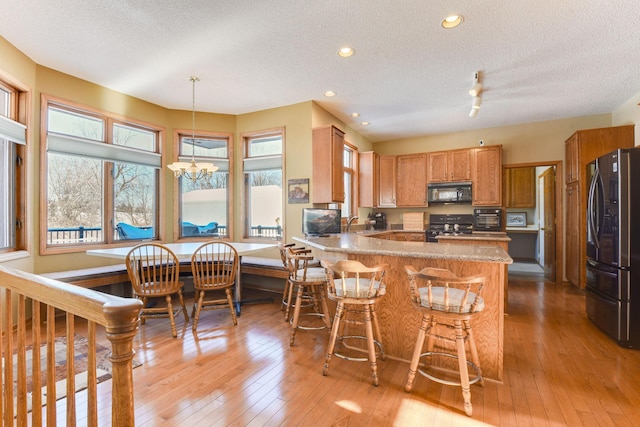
154, 273
447, 304
214, 266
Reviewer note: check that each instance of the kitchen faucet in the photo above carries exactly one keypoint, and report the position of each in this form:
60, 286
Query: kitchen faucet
349, 223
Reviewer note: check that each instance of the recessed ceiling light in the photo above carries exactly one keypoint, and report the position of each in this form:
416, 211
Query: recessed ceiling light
329, 93
452, 21
365, 123
346, 52
355, 115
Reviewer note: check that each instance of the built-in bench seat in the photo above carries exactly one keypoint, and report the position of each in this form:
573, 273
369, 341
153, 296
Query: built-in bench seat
261, 266
92, 277
95, 277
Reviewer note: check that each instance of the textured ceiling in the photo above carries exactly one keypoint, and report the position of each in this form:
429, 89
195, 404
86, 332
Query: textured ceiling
538, 60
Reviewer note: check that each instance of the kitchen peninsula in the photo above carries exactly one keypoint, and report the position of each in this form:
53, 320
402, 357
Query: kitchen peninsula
399, 321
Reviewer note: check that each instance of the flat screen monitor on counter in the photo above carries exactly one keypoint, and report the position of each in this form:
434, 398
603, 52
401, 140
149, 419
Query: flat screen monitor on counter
318, 222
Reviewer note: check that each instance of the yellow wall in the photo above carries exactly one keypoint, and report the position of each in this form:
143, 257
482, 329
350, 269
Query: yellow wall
629, 114
296, 119
525, 143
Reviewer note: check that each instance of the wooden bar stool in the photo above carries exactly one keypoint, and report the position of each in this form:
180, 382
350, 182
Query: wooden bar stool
309, 284
287, 293
355, 288
447, 303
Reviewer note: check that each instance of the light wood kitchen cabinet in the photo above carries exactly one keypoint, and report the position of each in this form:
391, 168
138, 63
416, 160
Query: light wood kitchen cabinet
486, 176
581, 148
328, 171
573, 244
410, 236
386, 181
411, 182
449, 166
368, 180
520, 187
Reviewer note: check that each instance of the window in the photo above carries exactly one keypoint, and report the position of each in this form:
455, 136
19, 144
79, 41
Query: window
204, 204
350, 160
12, 151
263, 190
102, 177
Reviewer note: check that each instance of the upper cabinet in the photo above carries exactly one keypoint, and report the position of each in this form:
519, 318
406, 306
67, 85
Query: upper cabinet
411, 183
449, 166
585, 146
368, 180
328, 172
486, 176
386, 165
388, 181
520, 187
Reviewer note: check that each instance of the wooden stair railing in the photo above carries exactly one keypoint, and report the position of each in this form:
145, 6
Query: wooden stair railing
24, 298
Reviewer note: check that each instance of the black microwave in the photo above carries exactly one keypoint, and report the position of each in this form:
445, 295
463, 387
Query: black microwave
449, 192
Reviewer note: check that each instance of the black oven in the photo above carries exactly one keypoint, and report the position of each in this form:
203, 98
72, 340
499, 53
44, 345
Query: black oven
487, 219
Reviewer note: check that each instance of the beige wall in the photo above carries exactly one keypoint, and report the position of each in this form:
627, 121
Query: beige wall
525, 143
629, 114
296, 119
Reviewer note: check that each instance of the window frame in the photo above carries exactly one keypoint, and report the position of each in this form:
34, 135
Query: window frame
110, 119
246, 138
189, 133
353, 173
20, 101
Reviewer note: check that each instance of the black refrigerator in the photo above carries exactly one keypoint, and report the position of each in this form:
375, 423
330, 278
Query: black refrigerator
613, 245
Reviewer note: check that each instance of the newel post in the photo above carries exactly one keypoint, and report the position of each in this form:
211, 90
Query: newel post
121, 329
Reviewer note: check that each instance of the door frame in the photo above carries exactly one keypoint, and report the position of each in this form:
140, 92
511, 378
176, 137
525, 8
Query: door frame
559, 261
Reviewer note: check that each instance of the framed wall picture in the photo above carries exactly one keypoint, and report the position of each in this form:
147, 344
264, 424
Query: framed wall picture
298, 190
516, 219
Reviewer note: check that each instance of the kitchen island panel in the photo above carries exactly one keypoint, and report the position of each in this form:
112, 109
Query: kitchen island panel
399, 320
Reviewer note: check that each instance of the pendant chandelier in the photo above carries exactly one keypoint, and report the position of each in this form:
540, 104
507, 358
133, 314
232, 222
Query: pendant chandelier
192, 170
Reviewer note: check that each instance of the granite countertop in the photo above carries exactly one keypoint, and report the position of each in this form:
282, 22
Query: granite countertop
365, 243
477, 235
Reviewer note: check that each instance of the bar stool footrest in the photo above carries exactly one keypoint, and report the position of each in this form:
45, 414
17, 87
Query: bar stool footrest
422, 372
309, 328
340, 343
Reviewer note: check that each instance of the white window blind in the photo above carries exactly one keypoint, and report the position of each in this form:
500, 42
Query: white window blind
74, 146
12, 130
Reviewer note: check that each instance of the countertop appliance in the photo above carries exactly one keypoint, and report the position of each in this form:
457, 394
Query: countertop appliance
380, 220
451, 225
487, 219
613, 245
449, 192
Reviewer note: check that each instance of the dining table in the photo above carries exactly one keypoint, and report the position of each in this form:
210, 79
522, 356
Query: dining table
185, 250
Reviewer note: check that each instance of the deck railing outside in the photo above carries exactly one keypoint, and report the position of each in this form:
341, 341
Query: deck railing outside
32, 305
56, 236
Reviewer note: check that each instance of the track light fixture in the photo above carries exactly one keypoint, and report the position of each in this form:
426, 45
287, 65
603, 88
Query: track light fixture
477, 86
475, 106
475, 92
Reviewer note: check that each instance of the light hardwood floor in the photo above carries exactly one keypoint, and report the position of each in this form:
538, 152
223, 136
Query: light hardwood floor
560, 370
